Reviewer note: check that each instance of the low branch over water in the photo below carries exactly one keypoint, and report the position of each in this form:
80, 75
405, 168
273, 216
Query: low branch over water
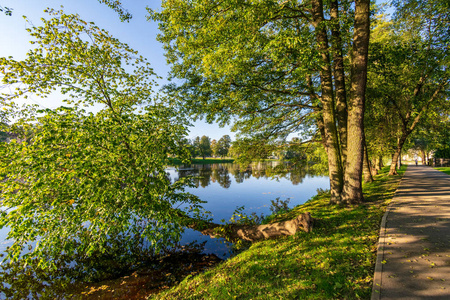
252, 233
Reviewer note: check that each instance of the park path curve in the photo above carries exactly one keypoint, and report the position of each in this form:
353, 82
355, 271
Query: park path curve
413, 260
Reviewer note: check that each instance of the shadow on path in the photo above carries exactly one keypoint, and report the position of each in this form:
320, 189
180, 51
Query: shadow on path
414, 249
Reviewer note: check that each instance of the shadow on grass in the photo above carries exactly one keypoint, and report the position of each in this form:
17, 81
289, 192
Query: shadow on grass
335, 261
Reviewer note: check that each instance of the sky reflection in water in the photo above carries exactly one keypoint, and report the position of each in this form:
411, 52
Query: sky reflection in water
228, 186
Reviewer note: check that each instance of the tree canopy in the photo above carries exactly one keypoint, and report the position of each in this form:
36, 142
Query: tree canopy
409, 73
76, 180
267, 67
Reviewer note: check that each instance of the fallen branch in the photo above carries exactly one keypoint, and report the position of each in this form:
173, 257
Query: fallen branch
253, 233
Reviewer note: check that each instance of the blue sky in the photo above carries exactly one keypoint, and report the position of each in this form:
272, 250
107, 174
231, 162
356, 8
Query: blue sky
139, 34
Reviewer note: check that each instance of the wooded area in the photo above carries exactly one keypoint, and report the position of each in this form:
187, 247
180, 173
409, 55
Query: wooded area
341, 75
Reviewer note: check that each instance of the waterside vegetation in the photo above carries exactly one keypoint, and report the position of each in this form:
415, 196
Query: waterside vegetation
335, 260
200, 161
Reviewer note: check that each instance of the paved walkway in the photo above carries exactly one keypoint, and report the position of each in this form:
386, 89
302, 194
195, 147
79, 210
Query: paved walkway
414, 249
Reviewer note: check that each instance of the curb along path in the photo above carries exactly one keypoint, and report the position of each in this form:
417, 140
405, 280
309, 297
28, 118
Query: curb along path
413, 260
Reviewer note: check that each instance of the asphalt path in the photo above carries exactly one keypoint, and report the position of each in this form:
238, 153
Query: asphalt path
413, 260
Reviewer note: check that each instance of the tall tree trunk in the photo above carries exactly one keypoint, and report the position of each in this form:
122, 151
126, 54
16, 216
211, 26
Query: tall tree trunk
424, 162
408, 129
330, 135
366, 166
380, 162
397, 153
375, 165
339, 79
352, 192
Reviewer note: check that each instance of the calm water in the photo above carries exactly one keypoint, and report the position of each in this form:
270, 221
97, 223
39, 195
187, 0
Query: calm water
228, 186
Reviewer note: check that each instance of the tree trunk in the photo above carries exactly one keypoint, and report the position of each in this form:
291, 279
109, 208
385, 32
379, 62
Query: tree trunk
330, 136
397, 153
233, 232
380, 162
339, 79
352, 192
407, 130
424, 162
367, 167
375, 166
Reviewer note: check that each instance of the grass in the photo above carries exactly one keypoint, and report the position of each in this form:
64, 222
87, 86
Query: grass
335, 261
446, 170
201, 161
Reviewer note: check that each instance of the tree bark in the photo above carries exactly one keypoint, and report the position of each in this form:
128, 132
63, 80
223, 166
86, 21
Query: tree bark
233, 232
397, 153
352, 192
424, 162
380, 162
339, 80
330, 136
375, 166
367, 168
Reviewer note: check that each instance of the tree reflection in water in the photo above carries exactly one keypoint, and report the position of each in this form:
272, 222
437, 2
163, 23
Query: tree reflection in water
204, 175
224, 187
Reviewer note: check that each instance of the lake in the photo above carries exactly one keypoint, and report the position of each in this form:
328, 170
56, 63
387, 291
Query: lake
228, 186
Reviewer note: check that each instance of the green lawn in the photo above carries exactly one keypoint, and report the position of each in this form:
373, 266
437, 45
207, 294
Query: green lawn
335, 261
446, 170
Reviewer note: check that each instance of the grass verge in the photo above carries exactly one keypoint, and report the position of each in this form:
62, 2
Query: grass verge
335, 261
446, 170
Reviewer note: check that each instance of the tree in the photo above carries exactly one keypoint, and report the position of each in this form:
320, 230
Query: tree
84, 180
214, 148
116, 5
205, 146
276, 68
432, 133
410, 59
224, 145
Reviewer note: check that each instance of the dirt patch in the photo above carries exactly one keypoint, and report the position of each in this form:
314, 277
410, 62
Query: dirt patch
148, 280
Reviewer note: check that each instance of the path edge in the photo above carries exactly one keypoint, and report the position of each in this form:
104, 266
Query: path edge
377, 278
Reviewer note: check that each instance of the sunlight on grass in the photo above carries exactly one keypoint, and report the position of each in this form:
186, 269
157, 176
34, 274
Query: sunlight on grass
335, 261
446, 170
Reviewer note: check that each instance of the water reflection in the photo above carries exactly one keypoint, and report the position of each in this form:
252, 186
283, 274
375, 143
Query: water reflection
205, 175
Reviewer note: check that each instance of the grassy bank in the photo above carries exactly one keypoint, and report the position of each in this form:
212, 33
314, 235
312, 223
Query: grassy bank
201, 161
446, 170
335, 261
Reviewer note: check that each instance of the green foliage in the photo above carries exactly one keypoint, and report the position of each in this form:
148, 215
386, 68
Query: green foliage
4, 132
247, 150
116, 5
335, 261
75, 183
242, 63
443, 152
204, 146
84, 61
241, 218
206, 161
223, 145
408, 75
6, 10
